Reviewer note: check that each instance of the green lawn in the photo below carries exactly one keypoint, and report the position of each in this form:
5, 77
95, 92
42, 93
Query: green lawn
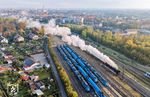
43, 74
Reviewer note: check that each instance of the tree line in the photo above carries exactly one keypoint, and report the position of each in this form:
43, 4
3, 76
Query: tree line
136, 47
62, 73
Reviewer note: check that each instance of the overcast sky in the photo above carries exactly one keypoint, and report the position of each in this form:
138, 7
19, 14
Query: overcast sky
123, 4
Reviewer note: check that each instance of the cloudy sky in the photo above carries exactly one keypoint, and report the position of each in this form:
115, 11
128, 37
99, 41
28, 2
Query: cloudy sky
123, 4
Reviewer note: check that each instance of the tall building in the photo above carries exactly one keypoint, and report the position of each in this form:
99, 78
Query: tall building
82, 21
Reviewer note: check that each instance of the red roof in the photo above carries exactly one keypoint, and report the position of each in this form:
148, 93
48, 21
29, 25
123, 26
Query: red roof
4, 68
24, 77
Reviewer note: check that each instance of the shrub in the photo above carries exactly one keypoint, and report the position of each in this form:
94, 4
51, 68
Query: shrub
62, 73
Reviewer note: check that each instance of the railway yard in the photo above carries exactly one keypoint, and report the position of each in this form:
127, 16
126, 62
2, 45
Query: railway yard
116, 85
133, 72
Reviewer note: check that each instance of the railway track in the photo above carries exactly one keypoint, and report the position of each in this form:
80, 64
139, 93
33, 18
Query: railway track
135, 85
107, 91
133, 69
112, 89
116, 85
114, 92
136, 72
77, 86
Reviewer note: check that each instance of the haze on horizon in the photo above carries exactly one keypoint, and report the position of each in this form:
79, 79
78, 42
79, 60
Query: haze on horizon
76, 4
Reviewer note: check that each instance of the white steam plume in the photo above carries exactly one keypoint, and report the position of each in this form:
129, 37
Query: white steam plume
30, 23
76, 41
65, 33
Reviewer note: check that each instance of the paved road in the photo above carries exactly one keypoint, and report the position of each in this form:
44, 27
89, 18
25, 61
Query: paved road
61, 86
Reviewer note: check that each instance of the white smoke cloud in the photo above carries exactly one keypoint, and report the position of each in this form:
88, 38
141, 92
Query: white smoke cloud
65, 33
50, 28
31, 23
61, 31
74, 40
78, 42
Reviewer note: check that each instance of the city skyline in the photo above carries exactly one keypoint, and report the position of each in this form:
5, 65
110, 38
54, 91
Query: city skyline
77, 4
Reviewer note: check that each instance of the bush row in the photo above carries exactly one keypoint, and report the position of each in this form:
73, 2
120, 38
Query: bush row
63, 75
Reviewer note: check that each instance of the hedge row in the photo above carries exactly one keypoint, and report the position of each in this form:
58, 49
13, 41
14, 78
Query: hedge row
63, 75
